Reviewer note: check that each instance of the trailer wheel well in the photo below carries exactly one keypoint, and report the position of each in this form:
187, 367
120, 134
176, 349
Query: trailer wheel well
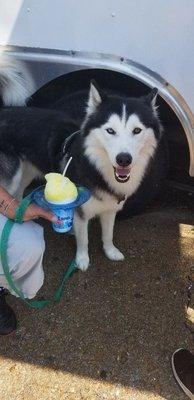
125, 85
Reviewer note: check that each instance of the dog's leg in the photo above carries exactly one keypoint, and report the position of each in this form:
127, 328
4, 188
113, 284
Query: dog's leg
14, 186
81, 234
29, 173
19, 194
107, 220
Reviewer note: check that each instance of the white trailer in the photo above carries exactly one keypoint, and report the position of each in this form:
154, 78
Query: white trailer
148, 41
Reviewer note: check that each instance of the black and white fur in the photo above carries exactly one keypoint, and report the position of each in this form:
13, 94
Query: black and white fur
110, 155
97, 160
16, 84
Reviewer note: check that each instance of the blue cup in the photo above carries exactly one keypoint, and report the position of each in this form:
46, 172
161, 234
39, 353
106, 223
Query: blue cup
64, 212
65, 218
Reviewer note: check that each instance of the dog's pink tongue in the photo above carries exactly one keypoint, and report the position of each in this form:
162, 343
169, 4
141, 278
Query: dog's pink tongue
122, 171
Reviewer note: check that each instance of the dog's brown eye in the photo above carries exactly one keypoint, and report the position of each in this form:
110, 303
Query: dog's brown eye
110, 131
136, 131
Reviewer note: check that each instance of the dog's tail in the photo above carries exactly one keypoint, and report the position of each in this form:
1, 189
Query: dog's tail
16, 84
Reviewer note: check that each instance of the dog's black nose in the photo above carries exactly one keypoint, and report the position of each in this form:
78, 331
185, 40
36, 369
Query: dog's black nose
124, 159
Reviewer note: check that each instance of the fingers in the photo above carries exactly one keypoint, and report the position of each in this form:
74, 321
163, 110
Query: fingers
34, 212
48, 215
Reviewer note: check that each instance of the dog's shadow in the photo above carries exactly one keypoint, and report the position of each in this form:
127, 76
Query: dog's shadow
118, 322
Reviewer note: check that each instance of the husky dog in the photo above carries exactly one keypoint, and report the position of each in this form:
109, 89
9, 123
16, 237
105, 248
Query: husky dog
110, 153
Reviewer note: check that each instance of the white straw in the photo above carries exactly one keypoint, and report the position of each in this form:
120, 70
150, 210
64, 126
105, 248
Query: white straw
67, 165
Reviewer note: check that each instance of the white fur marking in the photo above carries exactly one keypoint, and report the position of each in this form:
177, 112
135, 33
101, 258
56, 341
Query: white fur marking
102, 149
114, 254
29, 173
17, 84
107, 220
124, 116
81, 233
16, 180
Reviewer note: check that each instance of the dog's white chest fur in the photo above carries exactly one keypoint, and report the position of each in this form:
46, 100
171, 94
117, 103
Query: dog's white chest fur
101, 203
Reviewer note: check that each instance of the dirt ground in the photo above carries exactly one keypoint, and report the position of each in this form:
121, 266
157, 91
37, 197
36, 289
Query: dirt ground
113, 333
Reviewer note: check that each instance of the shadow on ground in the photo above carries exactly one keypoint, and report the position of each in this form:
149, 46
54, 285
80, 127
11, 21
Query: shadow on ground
117, 324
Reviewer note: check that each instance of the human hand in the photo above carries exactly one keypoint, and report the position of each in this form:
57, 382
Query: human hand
34, 212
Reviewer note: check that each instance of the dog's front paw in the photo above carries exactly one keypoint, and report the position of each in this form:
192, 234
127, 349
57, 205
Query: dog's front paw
82, 261
113, 253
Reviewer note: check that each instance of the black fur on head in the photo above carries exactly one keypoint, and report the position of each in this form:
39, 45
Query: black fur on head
101, 105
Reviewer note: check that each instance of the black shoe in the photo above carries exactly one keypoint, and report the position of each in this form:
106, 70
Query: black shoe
8, 322
183, 369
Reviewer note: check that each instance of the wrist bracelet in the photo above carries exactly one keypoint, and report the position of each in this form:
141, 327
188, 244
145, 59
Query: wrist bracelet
8, 205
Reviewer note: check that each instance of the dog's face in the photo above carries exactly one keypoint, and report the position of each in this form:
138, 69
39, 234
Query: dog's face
120, 131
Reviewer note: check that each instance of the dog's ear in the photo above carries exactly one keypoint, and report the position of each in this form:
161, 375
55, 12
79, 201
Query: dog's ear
151, 97
95, 97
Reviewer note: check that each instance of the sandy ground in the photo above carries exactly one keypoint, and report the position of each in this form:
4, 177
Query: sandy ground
113, 333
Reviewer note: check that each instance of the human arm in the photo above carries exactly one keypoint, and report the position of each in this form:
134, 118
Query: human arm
8, 206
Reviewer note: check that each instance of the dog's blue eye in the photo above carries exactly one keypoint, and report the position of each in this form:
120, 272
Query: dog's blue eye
110, 131
136, 131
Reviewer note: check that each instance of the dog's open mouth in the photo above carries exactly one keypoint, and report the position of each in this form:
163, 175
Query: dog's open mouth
122, 174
